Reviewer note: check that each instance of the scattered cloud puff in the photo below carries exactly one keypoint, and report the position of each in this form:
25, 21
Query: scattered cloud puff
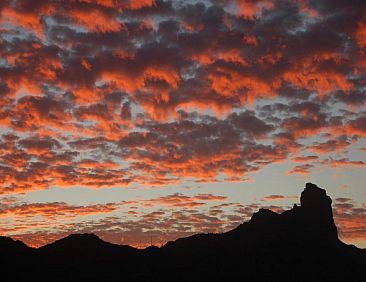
350, 218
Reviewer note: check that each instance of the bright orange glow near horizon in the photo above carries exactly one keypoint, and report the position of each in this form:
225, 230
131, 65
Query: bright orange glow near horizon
160, 118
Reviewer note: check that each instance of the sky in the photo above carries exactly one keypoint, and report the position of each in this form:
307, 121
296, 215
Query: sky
149, 120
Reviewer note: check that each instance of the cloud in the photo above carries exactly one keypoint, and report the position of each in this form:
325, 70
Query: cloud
301, 169
350, 216
41, 223
179, 201
343, 162
51, 211
301, 159
105, 94
36, 145
332, 145
278, 198
127, 85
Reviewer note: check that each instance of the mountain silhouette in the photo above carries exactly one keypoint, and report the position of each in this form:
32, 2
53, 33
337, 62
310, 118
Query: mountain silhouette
300, 244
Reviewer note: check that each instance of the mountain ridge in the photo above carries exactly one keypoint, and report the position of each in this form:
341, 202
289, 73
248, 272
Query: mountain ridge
300, 244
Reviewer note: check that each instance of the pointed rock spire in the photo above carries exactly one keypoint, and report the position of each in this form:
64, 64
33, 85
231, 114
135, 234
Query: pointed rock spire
316, 208
315, 200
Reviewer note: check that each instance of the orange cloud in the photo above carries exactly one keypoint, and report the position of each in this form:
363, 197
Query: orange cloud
229, 84
253, 8
278, 198
343, 162
135, 5
95, 20
182, 201
305, 159
305, 8
28, 21
301, 169
53, 211
321, 82
361, 33
349, 217
332, 145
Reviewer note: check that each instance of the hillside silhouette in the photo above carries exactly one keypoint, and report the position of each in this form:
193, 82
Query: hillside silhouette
300, 244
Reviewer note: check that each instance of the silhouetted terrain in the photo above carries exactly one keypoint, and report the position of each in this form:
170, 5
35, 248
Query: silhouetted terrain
300, 244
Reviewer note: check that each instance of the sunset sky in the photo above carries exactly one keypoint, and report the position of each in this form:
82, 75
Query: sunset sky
152, 120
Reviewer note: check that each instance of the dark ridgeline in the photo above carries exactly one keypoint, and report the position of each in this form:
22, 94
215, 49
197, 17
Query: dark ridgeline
300, 244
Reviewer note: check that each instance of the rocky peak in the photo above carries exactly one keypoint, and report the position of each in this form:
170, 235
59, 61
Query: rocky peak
263, 215
313, 219
315, 200
316, 210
